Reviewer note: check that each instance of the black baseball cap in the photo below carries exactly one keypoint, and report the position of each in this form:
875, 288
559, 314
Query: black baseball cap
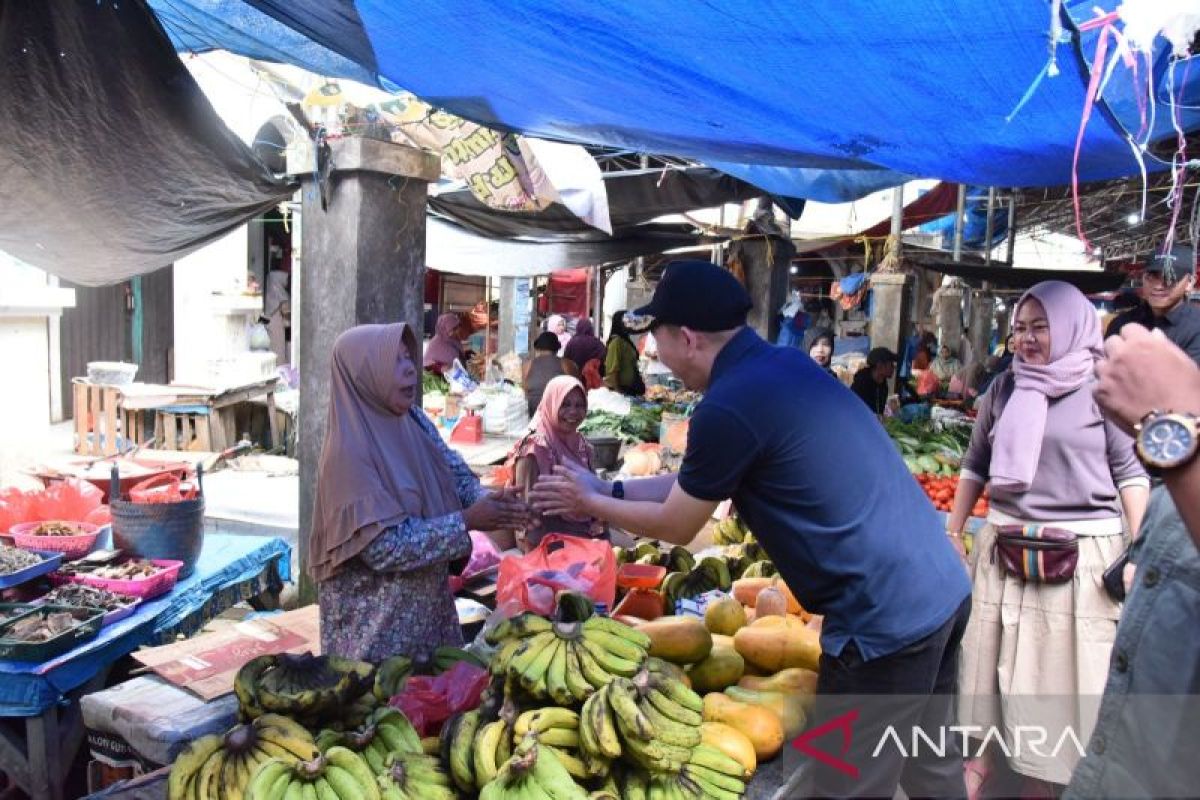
881, 355
694, 294
1180, 261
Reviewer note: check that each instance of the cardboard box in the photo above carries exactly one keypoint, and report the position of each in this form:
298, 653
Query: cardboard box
207, 664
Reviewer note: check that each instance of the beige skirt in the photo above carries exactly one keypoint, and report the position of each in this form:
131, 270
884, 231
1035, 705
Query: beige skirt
1035, 659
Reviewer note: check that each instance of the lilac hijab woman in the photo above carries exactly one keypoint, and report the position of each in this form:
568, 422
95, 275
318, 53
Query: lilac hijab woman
1035, 652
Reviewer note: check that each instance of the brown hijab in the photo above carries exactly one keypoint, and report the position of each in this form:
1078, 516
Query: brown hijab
377, 468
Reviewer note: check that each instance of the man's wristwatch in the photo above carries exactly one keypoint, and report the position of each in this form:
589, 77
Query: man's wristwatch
1167, 440
618, 490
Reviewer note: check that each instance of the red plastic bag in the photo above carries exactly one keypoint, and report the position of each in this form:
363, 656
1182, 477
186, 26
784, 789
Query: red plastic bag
14, 508
559, 563
428, 702
164, 488
70, 501
484, 556
100, 516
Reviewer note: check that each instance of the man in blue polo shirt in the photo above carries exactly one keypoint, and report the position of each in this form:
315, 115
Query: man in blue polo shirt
827, 495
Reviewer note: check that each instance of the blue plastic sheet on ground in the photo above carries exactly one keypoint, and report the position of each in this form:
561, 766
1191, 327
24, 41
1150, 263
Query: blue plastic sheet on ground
921, 87
230, 568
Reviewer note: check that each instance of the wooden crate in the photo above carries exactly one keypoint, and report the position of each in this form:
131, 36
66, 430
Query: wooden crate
101, 424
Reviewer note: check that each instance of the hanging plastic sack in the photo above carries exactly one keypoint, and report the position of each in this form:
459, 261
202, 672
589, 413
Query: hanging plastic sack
14, 508
558, 563
484, 556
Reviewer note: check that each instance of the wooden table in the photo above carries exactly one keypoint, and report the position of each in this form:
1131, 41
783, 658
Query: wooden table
209, 416
491, 451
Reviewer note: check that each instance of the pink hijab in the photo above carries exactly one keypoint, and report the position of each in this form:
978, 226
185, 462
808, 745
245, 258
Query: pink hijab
376, 468
552, 444
445, 346
1075, 347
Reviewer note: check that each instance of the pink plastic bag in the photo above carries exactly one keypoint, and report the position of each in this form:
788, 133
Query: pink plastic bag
430, 701
559, 562
484, 556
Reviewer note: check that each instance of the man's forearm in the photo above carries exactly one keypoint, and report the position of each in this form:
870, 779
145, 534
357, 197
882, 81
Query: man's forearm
1184, 486
647, 518
644, 490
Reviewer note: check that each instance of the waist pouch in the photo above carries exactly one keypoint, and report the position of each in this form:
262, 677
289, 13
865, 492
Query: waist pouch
1037, 553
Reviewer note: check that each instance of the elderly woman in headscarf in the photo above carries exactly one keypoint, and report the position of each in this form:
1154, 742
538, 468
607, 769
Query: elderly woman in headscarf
555, 441
557, 324
818, 343
585, 346
1036, 650
445, 346
393, 506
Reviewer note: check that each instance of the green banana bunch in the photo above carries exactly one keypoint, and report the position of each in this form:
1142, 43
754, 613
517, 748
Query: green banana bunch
573, 607
714, 774
710, 574
222, 765
302, 686
390, 677
414, 776
458, 748
680, 559
444, 659
647, 549
559, 730
760, 569
385, 732
534, 773
339, 774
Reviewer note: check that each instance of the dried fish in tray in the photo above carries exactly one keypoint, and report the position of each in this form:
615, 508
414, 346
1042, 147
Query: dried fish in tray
14, 559
77, 594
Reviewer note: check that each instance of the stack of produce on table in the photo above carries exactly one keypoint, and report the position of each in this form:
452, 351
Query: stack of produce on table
929, 447
731, 530
679, 398
638, 426
941, 490
578, 706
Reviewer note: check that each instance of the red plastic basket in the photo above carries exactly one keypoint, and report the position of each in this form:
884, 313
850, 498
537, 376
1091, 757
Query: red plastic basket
70, 546
146, 588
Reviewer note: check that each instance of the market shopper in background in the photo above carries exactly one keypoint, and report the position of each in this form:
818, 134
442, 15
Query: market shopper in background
1038, 643
946, 364
545, 365
1165, 286
871, 382
818, 343
585, 346
868, 552
555, 441
621, 360
446, 344
1144, 744
393, 506
657, 373
557, 325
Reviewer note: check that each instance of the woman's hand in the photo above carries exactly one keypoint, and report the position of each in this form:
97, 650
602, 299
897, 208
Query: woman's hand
497, 511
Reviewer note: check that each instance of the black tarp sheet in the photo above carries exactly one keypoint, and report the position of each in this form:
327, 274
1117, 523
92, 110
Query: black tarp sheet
633, 199
112, 161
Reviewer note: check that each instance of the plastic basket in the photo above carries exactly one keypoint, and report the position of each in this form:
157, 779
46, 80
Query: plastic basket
90, 621
146, 588
50, 562
111, 373
70, 546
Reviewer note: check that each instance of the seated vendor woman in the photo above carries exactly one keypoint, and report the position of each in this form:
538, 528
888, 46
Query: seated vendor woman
555, 441
393, 506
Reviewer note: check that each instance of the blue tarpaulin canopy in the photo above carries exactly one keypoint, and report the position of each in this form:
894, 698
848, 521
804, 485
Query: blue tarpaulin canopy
919, 87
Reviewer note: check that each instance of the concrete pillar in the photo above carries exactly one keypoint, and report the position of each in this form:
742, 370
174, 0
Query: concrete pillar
983, 317
508, 317
364, 262
949, 317
766, 262
888, 310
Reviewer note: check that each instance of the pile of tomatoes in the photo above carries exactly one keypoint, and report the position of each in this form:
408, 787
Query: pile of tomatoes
941, 489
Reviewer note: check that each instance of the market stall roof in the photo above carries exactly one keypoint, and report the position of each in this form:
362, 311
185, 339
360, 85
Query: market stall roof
918, 87
1001, 276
